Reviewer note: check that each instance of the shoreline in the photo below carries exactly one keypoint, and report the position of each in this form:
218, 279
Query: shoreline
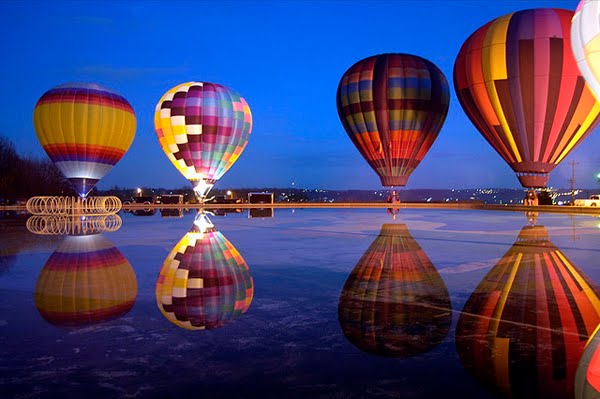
358, 205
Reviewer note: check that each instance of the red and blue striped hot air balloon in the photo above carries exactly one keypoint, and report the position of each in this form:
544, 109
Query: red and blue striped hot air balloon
393, 107
394, 302
85, 129
204, 282
518, 82
85, 281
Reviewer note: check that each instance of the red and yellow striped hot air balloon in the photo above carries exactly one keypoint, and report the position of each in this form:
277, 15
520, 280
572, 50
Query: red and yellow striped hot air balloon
85, 129
524, 328
394, 302
518, 82
204, 283
393, 107
85, 281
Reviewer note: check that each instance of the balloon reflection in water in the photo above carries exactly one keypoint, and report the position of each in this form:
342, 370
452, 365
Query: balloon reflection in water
394, 302
524, 328
204, 282
85, 281
587, 378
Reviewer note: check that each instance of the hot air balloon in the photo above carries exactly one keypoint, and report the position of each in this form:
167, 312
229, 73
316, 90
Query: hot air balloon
524, 328
587, 377
585, 41
85, 129
394, 302
393, 106
518, 82
204, 282
85, 281
203, 128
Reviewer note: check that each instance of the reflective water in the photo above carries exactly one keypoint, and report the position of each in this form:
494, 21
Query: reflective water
307, 303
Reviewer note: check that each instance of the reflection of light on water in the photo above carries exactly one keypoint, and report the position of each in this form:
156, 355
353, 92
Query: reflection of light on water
202, 222
73, 225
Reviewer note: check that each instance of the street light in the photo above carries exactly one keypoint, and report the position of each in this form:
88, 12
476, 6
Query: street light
139, 192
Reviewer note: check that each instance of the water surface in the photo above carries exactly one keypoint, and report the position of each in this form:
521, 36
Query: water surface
345, 303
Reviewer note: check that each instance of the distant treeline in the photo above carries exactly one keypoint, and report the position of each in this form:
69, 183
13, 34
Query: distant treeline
22, 177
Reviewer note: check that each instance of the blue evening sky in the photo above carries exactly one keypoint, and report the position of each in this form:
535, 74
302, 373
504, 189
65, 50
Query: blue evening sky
284, 57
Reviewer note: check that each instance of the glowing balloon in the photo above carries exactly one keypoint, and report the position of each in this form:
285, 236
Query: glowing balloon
585, 41
587, 377
204, 283
85, 129
518, 82
203, 128
394, 302
85, 281
524, 328
393, 106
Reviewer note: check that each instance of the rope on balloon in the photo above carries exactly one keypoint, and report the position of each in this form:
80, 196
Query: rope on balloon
73, 225
44, 205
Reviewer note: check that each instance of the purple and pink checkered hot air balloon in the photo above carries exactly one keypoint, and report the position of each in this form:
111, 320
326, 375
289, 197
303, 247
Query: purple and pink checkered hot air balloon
204, 282
203, 128
85, 129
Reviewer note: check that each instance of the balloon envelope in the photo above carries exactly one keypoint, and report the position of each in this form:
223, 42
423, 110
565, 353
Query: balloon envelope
85, 281
585, 41
518, 82
204, 282
587, 378
203, 129
524, 328
393, 106
85, 129
394, 302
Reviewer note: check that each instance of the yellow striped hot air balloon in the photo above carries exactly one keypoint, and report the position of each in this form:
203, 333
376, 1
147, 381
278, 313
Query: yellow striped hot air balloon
85, 281
85, 129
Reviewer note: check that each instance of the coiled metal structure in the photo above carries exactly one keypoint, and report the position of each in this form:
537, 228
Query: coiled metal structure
73, 225
73, 206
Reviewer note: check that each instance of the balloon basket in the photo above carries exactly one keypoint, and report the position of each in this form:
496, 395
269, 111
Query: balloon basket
74, 206
73, 225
